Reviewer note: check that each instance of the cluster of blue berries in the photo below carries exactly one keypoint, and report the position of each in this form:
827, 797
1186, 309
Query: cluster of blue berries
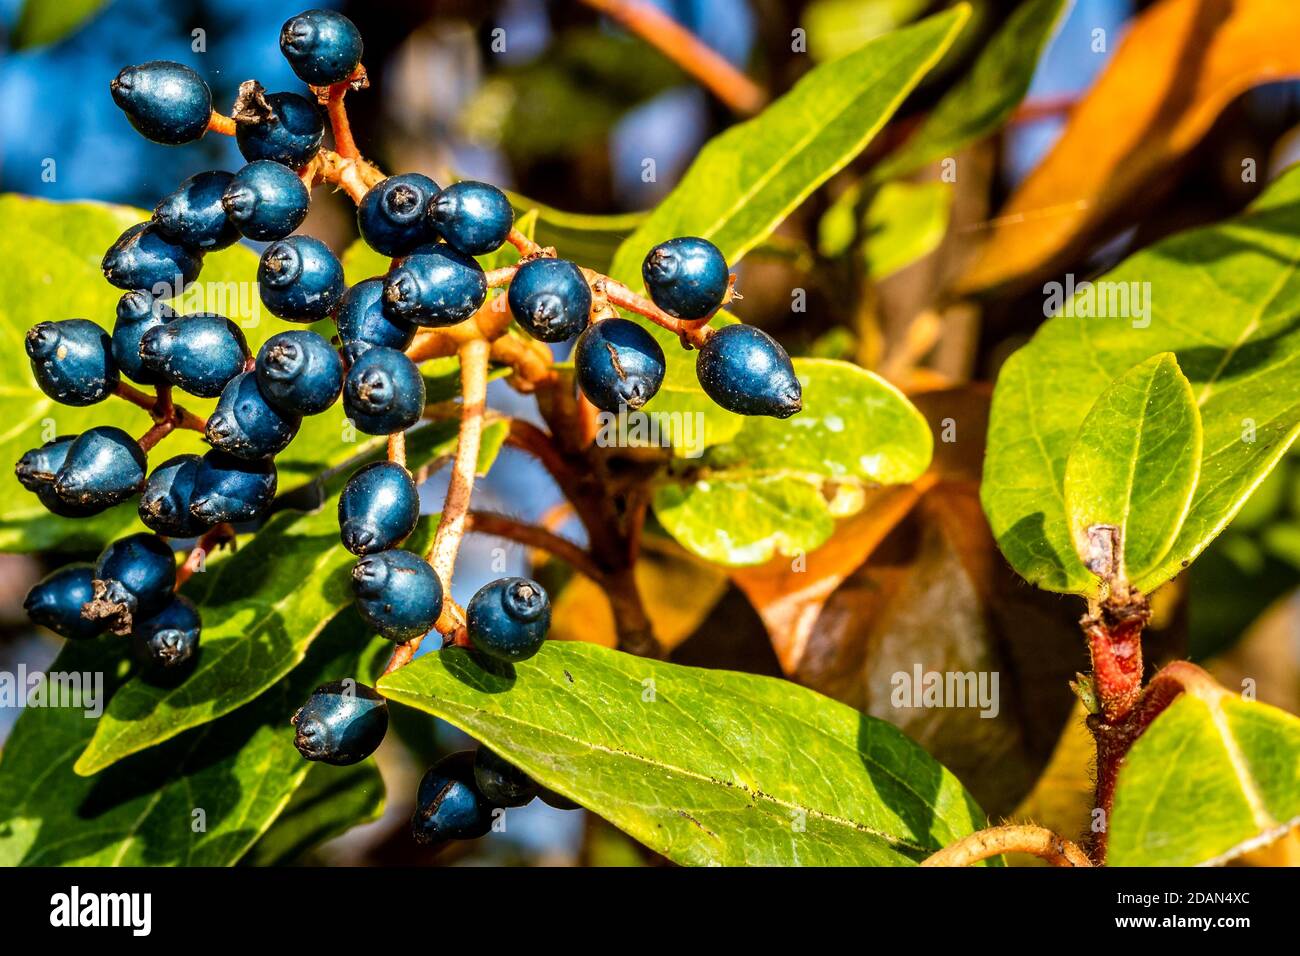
432, 234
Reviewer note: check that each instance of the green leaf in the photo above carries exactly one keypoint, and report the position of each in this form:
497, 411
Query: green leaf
982, 100
262, 608
778, 485
1213, 777
240, 772
838, 27
42, 22
747, 180
331, 801
1134, 465
49, 266
1222, 299
905, 222
703, 766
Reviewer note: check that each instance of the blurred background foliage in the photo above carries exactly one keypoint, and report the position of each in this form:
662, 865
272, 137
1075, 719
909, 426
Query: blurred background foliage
552, 101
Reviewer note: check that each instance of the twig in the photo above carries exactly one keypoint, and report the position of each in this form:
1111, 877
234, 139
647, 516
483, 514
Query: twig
678, 44
1034, 840
501, 526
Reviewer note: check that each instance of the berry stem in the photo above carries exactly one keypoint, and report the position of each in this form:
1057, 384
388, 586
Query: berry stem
397, 448
501, 526
220, 123
156, 433
694, 333
213, 538
1034, 840
339, 123
160, 407
740, 93
521, 242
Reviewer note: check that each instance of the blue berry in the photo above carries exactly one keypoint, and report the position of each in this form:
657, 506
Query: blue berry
300, 279
193, 216
38, 468
435, 285
134, 580
169, 639
266, 200
166, 102
746, 371
448, 805
322, 47
137, 313
397, 594
508, 619
550, 299
198, 353
72, 361
378, 508
473, 217
104, 466
686, 277
501, 782
227, 488
56, 600
342, 723
142, 258
283, 127
165, 501
361, 320
299, 372
619, 364
384, 392
391, 216
246, 425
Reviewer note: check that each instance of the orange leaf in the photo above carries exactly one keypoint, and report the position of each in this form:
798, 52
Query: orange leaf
1180, 64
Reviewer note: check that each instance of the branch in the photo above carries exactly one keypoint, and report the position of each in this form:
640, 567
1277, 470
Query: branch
678, 44
532, 536
1034, 840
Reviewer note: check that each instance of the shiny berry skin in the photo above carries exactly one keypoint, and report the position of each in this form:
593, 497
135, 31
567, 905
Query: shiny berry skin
362, 321
142, 258
391, 216
508, 619
501, 782
137, 313
246, 425
448, 805
104, 466
227, 488
435, 285
322, 47
193, 216
299, 372
290, 133
619, 364
300, 279
165, 501
746, 371
472, 217
342, 723
550, 299
166, 102
265, 201
72, 361
36, 472
169, 639
384, 392
197, 353
134, 580
55, 602
686, 277
378, 508
397, 594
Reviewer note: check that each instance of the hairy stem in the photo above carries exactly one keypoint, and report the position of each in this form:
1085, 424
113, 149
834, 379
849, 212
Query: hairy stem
1034, 840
